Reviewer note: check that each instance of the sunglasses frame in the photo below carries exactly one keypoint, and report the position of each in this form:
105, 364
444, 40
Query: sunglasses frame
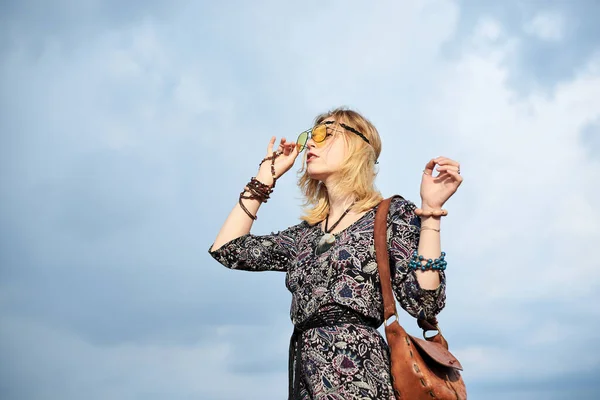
349, 128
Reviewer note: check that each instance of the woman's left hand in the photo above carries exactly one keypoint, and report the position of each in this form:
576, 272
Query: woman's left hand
436, 190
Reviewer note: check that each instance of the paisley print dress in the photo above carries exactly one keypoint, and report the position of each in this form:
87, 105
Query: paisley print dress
342, 361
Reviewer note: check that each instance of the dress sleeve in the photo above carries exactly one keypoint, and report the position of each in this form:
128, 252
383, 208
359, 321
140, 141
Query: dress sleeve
403, 239
272, 252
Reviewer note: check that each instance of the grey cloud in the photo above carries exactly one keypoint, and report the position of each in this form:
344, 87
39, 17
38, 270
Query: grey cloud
103, 250
259, 350
33, 22
538, 65
565, 386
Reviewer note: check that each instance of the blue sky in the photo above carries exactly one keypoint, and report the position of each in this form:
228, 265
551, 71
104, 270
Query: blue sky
128, 130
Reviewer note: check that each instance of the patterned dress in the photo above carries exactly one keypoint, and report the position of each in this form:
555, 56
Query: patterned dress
344, 361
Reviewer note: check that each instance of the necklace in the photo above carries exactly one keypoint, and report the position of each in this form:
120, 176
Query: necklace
328, 239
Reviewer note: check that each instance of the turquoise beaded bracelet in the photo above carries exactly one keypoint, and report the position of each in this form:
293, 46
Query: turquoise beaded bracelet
439, 264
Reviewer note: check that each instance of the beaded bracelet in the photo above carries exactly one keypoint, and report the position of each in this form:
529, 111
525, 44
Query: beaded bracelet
432, 213
272, 159
439, 264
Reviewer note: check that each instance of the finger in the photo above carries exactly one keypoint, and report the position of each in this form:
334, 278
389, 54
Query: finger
445, 161
441, 168
281, 144
444, 169
458, 178
294, 150
287, 149
270, 146
441, 175
429, 167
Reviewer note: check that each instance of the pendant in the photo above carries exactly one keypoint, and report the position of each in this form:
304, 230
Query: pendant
325, 243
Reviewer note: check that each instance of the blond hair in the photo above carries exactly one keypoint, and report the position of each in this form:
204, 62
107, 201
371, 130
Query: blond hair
356, 176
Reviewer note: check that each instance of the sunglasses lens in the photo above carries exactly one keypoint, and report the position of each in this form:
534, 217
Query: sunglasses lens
319, 133
301, 141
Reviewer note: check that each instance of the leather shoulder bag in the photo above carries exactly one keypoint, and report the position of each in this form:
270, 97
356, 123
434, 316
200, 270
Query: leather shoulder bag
420, 369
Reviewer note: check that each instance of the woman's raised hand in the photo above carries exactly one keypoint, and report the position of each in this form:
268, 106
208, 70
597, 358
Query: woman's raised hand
286, 156
436, 190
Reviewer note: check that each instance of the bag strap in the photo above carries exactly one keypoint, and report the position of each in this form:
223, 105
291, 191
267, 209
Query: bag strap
383, 265
383, 259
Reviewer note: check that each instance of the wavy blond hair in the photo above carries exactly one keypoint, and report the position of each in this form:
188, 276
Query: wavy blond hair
356, 176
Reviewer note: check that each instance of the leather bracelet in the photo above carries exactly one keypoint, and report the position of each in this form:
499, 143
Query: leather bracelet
433, 213
256, 189
253, 217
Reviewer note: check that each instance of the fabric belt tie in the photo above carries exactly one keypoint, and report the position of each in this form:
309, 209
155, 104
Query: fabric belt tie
331, 317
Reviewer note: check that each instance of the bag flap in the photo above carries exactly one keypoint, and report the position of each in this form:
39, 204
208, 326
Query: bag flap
437, 352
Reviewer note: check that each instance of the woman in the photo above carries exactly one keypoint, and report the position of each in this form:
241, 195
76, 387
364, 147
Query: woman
336, 351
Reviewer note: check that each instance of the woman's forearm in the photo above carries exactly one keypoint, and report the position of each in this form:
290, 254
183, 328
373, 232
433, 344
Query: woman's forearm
429, 247
238, 223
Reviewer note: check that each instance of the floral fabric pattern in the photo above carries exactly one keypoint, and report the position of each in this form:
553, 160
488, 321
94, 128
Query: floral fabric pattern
345, 362
345, 275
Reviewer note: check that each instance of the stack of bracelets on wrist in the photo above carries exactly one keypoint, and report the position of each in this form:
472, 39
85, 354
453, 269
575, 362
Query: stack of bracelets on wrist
258, 190
439, 264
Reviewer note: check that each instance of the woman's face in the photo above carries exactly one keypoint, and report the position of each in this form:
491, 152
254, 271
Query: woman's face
325, 158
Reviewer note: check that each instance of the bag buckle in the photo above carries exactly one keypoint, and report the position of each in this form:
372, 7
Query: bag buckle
385, 321
437, 328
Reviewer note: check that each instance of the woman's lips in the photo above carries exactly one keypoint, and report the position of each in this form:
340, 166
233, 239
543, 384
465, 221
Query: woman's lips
310, 157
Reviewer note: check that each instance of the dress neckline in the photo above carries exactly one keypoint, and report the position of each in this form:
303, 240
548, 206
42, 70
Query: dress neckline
318, 224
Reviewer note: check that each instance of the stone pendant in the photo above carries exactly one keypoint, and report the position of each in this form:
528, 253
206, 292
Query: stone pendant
325, 243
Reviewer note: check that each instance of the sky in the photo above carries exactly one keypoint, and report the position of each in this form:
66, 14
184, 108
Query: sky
129, 128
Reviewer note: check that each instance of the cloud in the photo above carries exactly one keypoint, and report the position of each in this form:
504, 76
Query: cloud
537, 65
547, 26
63, 365
128, 132
523, 244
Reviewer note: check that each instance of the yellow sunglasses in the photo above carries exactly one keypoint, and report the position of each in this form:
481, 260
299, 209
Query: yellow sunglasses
318, 134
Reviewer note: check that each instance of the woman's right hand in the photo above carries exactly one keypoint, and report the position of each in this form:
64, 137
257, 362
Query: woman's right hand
288, 153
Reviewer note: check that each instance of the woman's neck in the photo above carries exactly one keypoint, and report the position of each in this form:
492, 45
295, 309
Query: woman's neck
338, 203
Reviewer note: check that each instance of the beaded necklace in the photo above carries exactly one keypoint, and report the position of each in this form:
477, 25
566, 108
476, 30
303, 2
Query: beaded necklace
328, 239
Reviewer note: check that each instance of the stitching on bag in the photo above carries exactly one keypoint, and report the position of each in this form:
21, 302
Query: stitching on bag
417, 370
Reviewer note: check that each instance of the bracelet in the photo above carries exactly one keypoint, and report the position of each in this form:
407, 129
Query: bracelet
428, 228
433, 213
439, 264
256, 191
272, 158
248, 213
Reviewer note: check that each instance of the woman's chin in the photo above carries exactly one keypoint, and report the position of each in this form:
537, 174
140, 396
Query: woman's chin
314, 173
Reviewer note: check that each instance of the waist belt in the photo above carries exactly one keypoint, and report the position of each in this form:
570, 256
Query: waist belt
335, 316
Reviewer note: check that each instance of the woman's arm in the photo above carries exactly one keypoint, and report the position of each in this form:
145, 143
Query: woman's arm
435, 191
429, 247
238, 223
403, 239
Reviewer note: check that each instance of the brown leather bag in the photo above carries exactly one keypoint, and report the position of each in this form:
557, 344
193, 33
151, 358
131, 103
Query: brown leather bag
421, 369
